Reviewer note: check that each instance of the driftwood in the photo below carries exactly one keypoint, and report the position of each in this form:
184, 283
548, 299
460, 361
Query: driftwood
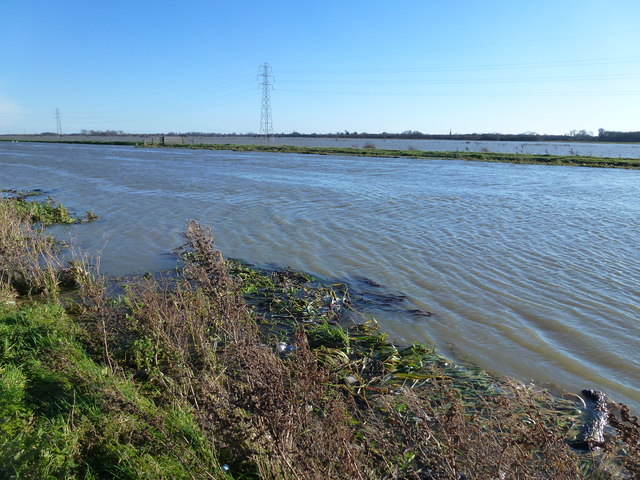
591, 435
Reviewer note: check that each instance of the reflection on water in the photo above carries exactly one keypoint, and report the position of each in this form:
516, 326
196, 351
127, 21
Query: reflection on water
528, 270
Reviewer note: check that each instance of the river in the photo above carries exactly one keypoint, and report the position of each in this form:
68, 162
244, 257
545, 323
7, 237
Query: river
527, 270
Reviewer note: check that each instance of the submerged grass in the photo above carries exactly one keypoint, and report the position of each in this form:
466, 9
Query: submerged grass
227, 371
45, 213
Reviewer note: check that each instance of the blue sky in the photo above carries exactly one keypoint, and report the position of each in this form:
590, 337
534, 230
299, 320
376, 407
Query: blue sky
366, 66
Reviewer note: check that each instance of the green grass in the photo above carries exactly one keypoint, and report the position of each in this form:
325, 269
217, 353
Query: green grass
572, 160
65, 416
328, 336
44, 212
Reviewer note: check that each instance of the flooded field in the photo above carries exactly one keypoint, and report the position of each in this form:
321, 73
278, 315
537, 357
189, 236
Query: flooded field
526, 270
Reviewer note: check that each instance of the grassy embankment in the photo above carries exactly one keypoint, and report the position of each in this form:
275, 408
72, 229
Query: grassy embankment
573, 160
225, 371
524, 158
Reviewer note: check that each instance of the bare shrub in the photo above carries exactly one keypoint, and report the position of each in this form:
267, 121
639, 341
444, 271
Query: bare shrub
205, 266
277, 415
300, 427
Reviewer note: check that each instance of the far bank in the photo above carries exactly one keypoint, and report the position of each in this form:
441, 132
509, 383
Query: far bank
458, 146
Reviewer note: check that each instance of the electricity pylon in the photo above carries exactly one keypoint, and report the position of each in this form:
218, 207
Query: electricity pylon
58, 123
266, 123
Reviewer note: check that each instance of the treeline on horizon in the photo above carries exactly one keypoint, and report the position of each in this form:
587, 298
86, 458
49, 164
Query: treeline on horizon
573, 136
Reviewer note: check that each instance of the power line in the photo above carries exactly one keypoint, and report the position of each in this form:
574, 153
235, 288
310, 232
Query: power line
394, 82
387, 93
266, 122
392, 51
572, 63
174, 102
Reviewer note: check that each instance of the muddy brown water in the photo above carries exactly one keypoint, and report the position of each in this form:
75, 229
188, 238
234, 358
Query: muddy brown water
526, 270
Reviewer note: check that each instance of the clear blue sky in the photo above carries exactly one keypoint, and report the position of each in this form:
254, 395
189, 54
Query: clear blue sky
467, 66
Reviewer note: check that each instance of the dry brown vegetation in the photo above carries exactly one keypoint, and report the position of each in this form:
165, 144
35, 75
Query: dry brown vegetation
364, 409
340, 402
29, 258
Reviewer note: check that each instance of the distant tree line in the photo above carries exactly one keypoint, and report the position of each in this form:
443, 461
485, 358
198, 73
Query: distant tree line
573, 136
102, 133
605, 136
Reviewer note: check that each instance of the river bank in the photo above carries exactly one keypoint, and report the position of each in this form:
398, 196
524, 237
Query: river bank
222, 370
523, 158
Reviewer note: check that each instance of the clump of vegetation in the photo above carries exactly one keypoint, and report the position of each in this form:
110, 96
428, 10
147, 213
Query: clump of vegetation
44, 213
30, 261
28, 257
226, 371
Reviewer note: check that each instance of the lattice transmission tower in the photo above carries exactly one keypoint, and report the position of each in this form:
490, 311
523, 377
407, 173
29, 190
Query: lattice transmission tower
266, 122
58, 123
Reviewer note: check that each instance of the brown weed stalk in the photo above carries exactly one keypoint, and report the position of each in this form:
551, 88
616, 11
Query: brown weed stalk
29, 262
276, 414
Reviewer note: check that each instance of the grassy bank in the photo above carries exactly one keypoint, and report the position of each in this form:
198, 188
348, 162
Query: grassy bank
628, 163
221, 370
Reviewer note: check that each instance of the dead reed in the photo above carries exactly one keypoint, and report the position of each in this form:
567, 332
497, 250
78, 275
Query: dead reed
29, 260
